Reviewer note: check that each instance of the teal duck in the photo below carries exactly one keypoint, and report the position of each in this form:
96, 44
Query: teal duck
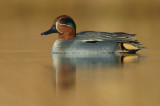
90, 41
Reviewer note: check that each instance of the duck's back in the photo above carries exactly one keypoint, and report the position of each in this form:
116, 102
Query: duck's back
97, 42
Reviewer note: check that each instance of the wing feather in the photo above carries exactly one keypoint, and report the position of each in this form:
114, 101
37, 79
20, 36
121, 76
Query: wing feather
120, 37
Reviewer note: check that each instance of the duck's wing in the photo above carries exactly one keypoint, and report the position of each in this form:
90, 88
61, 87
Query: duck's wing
124, 40
102, 36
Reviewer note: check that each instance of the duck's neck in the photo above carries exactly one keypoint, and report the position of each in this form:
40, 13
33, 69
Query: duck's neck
66, 36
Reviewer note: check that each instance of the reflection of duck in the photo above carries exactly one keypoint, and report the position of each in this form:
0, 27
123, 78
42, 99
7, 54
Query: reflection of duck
65, 65
64, 72
89, 41
103, 60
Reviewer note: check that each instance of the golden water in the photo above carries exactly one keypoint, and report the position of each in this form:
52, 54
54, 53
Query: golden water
30, 76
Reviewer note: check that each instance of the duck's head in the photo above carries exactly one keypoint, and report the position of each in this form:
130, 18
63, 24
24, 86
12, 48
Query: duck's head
64, 26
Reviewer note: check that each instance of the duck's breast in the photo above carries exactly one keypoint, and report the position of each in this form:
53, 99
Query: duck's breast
81, 46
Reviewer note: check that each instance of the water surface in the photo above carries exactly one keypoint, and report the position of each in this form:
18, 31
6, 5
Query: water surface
30, 75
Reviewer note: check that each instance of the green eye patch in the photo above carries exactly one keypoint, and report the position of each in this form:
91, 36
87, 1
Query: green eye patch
67, 21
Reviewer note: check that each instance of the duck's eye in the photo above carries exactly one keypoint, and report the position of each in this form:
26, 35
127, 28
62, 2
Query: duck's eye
67, 21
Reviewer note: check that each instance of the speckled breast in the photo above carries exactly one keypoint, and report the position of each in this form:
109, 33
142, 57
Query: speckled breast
79, 46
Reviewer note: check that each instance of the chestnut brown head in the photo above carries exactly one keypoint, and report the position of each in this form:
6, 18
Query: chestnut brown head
64, 26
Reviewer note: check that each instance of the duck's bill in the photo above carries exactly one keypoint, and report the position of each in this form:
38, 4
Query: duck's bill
51, 30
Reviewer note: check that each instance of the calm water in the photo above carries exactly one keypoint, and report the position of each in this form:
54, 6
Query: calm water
31, 76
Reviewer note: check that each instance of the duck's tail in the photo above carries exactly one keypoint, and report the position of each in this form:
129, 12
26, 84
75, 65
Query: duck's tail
131, 46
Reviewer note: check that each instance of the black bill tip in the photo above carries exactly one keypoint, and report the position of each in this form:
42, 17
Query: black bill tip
43, 33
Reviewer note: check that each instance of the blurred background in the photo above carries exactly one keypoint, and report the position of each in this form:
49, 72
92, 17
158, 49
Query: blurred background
23, 21
26, 76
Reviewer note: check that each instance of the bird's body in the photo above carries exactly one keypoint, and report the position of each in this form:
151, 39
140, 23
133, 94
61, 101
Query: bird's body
90, 42
96, 42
